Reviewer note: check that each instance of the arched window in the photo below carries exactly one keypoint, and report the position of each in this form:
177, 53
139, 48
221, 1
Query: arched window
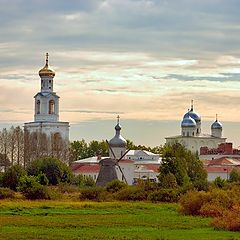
38, 107
51, 107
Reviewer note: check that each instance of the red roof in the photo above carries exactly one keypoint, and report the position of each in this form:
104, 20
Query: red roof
211, 169
153, 167
87, 168
126, 161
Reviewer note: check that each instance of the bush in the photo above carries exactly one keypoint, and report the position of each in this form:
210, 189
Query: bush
83, 181
55, 170
192, 201
230, 220
6, 193
164, 195
168, 181
32, 189
219, 182
131, 193
95, 193
42, 179
12, 176
1, 179
234, 175
115, 186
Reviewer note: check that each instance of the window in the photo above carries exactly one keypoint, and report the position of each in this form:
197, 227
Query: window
38, 107
51, 107
193, 133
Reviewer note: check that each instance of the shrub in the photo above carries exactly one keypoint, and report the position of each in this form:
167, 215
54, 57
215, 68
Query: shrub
42, 179
55, 170
83, 181
32, 189
1, 179
219, 182
164, 195
234, 175
168, 181
115, 186
230, 220
95, 193
131, 193
201, 185
12, 176
6, 193
192, 201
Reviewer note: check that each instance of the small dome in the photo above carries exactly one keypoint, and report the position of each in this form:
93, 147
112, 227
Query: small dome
188, 121
216, 125
46, 71
118, 140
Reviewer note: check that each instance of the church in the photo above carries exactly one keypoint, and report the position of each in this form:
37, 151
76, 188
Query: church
191, 134
46, 135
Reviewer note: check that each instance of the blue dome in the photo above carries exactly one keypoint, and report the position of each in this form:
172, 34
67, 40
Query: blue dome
216, 125
188, 121
193, 115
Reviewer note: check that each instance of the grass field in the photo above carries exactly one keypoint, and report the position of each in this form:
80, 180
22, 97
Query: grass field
113, 220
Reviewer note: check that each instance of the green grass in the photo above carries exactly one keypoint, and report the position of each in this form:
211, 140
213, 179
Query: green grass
113, 220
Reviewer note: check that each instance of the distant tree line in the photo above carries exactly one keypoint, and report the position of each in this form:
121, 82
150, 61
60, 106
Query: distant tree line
80, 149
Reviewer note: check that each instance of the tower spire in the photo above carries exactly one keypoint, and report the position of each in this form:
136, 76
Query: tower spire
216, 117
191, 105
118, 119
47, 55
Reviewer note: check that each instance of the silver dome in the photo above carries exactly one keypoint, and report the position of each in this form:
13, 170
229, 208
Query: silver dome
193, 115
118, 140
188, 121
216, 125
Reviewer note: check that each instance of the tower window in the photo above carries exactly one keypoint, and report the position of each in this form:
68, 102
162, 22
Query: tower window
38, 107
51, 107
49, 81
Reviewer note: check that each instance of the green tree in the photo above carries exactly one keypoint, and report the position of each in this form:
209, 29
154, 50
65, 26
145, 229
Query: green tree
55, 170
234, 175
78, 150
12, 176
182, 163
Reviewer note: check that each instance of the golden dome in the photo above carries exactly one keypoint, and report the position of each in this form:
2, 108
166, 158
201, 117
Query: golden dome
46, 71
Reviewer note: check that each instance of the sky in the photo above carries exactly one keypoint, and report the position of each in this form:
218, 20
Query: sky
142, 59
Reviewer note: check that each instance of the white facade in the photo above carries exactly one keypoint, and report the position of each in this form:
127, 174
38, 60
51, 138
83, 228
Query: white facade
46, 109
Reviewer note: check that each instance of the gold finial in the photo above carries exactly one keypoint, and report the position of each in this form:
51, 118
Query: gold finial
191, 105
46, 70
216, 117
118, 118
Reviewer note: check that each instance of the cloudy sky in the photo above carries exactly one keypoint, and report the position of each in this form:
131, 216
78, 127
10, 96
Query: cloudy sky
142, 59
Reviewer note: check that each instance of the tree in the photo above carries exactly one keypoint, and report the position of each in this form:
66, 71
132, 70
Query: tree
12, 176
183, 164
78, 150
55, 170
4, 161
234, 175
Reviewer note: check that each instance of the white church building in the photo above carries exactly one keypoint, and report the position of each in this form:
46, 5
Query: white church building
191, 134
46, 112
136, 164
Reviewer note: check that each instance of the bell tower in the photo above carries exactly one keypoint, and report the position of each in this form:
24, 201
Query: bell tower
46, 101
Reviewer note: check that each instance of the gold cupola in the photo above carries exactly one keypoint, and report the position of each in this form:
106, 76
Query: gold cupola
46, 71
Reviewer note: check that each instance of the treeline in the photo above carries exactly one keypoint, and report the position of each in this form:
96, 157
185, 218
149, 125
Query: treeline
11, 146
80, 149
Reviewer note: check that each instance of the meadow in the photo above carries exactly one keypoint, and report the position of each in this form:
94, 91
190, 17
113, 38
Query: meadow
48, 219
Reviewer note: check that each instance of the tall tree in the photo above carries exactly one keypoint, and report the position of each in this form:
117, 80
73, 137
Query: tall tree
184, 165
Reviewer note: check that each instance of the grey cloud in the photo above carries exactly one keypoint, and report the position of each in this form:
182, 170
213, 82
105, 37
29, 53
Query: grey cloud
90, 111
225, 77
